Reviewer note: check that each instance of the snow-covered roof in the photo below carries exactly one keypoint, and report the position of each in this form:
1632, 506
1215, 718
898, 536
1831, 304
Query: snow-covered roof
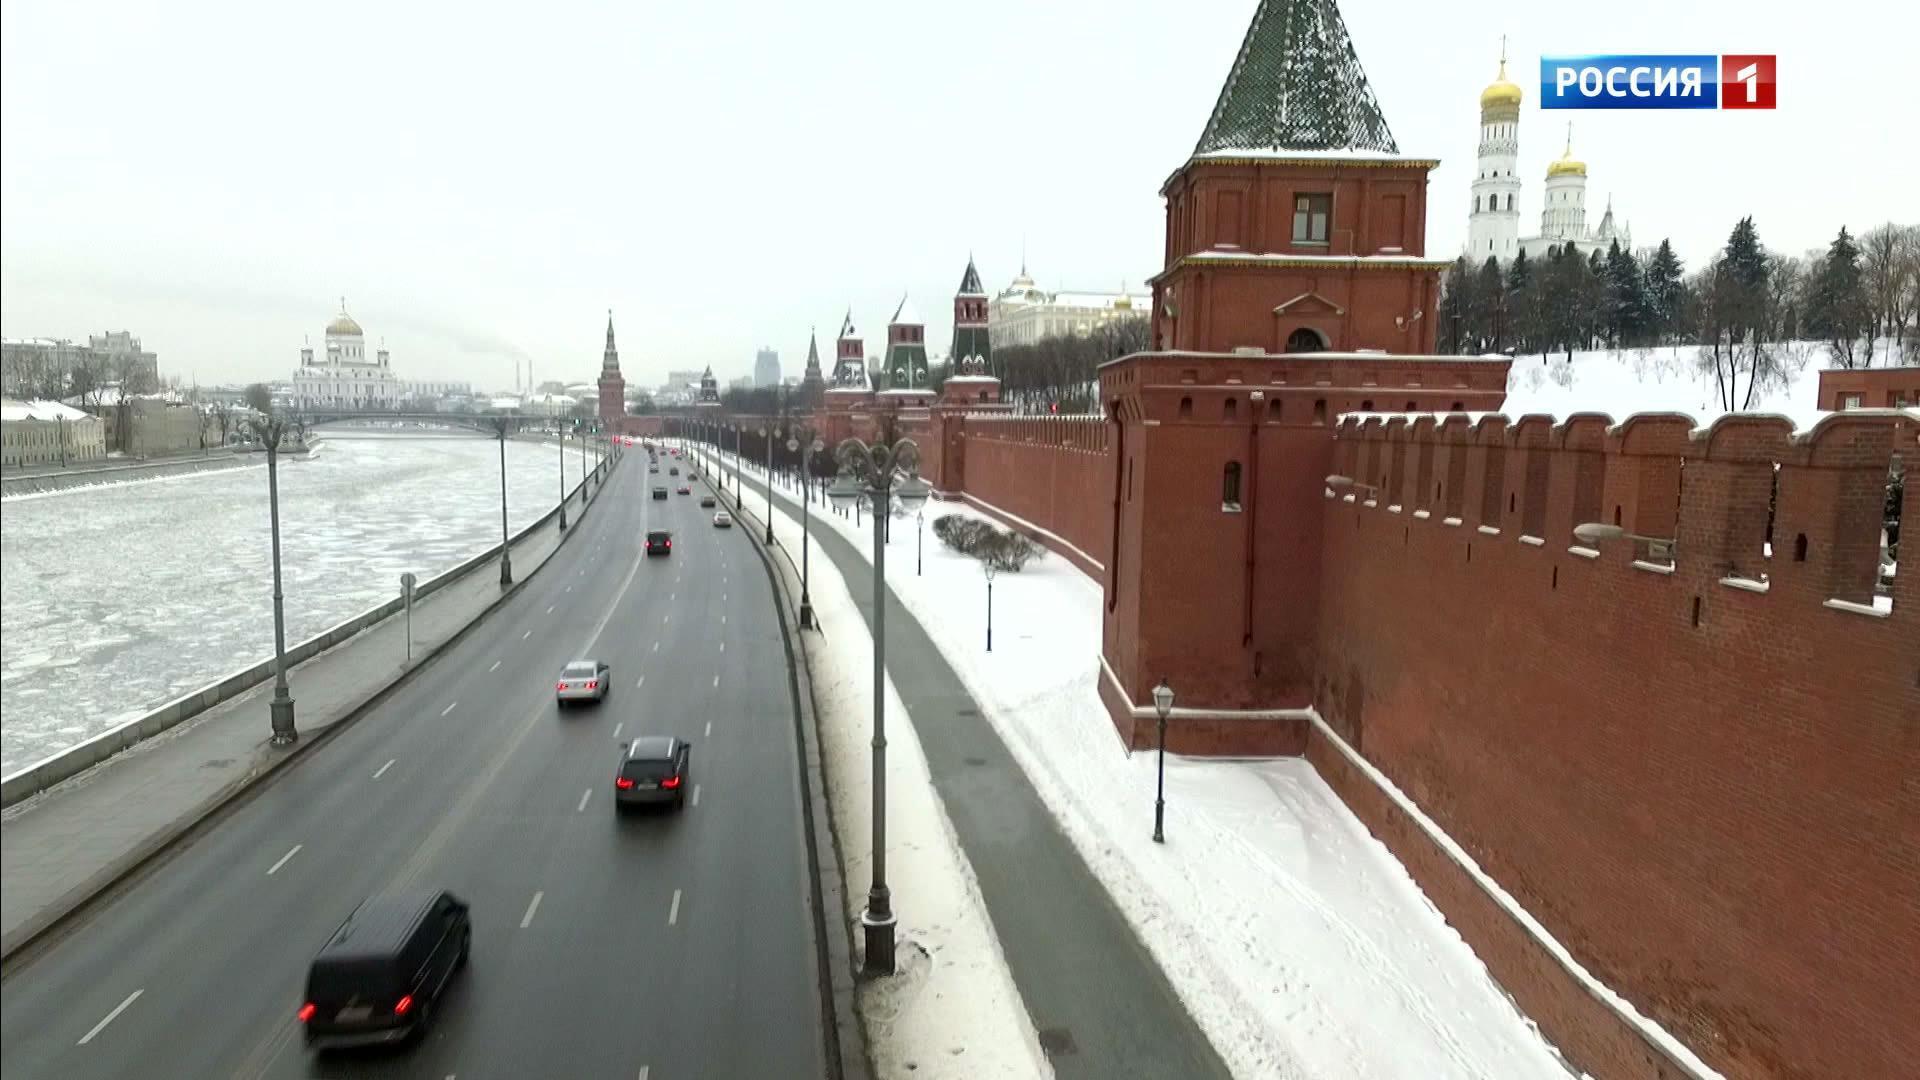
1343, 154
38, 410
1222, 255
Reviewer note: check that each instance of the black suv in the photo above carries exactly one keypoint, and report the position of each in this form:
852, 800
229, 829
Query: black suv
659, 542
653, 772
378, 978
659, 493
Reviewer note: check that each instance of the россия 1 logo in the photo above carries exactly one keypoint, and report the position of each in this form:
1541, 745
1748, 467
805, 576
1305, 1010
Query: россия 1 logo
1742, 81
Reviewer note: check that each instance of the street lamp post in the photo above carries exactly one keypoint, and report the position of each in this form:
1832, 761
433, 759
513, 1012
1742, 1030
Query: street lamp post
280, 708
988, 567
580, 433
812, 447
501, 425
870, 470
919, 542
1162, 704
563, 485
770, 431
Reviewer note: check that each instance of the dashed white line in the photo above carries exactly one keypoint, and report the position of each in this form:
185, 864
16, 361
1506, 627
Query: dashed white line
584, 796
643, 1073
673, 596
108, 1019
716, 680
283, 860
667, 618
569, 588
696, 794
656, 646
382, 771
723, 618
526, 635
723, 646
550, 608
449, 708
709, 729
527, 919
673, 913
495, 667
641, 683
723, 598
617, 727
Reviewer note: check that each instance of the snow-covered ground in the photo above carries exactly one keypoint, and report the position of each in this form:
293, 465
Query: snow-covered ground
1301, 945
952, 1011
1628, 381
117, 598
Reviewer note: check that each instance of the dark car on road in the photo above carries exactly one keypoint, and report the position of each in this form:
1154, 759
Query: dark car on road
674, 471
706, 501
659, 542
380, 976
659, 493
653, 772
685, 490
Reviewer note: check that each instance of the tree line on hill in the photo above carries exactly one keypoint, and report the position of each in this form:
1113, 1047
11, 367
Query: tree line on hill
1857, 296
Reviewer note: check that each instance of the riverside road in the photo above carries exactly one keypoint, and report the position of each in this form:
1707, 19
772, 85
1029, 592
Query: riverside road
657, 946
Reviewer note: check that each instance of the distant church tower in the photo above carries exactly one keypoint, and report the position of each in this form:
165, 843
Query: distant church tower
1564, 217
1493, 228
613, 386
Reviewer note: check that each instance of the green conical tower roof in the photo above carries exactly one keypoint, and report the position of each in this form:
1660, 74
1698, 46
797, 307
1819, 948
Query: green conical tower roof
1296, 85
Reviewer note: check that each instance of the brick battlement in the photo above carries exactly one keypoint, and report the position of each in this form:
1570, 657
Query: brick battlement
1082, 433
1694, 500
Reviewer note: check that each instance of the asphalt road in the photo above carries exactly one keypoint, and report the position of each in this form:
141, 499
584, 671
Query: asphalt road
651, 946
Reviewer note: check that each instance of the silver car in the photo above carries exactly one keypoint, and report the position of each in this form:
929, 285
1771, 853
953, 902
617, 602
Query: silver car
583, 680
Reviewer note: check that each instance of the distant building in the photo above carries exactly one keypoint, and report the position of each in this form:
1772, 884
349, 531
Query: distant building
744, 382
1869, 388
126, 361
47, 366
1024, 313
612, 387
347, 378
49, 433
428, 393
766, 368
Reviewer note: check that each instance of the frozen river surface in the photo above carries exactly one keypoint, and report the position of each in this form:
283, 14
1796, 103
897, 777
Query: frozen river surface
115, 600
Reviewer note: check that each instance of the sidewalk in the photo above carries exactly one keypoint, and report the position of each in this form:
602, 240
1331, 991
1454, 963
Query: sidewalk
61, 847
1302, 947
1100, 1004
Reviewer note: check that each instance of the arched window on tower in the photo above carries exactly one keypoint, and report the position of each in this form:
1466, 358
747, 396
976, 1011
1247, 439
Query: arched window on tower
1305, 339
1230, 488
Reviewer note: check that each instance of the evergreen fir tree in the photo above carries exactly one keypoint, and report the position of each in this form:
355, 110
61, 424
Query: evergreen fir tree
1522, 301
1456, 302
1664, 294
1490, 299
1837, 307
1626, 303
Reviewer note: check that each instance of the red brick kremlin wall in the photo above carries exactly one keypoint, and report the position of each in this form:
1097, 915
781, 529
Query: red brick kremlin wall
1702, 785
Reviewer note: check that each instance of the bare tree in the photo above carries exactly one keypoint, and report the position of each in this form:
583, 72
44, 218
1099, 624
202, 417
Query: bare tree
259, 397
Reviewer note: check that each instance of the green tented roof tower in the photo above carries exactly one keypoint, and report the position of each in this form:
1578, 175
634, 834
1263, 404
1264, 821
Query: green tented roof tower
1296, 85
972, 351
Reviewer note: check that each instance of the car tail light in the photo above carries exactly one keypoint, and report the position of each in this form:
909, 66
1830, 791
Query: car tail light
623, 783
306, 1012
593, 684
401, 1007
669, 545
561, 686
670, 783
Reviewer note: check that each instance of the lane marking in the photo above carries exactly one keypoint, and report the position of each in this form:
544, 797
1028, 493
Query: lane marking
667, 618
656, 646
526, 635
617, 727
723, 646
569, 588
723, 618
716, 680
673, 913
709, 729
723, 598
495, 667
641, 683
696, 794
382, 771
449, 708
643, 1073
673, 596
527, 919
584, 796
283, 860
117, 1010
550, 608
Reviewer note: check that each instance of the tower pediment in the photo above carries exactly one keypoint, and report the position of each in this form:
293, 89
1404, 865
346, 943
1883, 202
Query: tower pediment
1309, 303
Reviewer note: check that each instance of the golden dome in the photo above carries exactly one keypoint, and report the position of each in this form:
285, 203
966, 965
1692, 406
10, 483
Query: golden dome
343, 323
1567, 166
1500, 91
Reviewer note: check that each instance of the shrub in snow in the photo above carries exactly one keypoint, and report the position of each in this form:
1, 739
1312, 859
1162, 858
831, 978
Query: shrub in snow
1009, 551
963, 534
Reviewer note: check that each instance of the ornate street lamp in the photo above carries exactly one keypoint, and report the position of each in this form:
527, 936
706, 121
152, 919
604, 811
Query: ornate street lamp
812, 447
986, 565
880, 473
563, 483
1162, 704
769, 430
269, 432
501, 426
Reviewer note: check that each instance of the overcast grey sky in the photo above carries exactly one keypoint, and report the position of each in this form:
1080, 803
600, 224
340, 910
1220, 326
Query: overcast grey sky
482, 181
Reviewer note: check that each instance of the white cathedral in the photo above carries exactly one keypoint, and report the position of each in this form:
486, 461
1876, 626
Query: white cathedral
346, 379
1493, 228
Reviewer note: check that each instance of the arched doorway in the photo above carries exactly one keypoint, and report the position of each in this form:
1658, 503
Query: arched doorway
1306, 339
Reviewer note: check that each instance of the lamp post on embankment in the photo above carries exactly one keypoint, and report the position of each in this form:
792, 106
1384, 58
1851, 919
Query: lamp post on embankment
269, 432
